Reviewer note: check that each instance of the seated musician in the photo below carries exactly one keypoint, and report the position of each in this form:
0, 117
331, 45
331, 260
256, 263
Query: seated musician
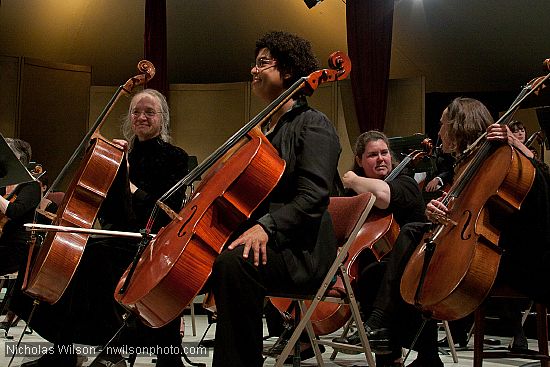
87, 313
461, 123
17, 205
46, 205
400, 197
518, 130
289, 244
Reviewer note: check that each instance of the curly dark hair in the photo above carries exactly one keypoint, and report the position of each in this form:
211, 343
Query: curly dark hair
292, 53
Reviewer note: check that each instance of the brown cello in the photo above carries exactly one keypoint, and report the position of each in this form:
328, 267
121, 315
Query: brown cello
58, 256
237, 177
455, 266
373, 242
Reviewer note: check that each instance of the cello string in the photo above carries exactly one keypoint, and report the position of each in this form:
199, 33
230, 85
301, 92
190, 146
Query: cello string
485, 148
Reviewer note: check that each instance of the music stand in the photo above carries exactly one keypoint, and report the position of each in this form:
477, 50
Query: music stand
12, 171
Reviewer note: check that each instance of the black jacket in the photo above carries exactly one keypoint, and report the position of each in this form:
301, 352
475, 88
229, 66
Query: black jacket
295, 214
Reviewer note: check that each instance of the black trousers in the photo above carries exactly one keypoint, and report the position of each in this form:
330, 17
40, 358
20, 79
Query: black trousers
403, 319
239, 289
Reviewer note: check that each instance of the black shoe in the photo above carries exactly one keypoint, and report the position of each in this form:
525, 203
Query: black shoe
426, 362
444, 343
53, 360
109, 360
491, 341
305, 353
169, 360
389, 360
520, 343
379, 339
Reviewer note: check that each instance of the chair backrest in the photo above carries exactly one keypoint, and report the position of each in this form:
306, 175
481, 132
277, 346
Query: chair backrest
346, 212
56, 197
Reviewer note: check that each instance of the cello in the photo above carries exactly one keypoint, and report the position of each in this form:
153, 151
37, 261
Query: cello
455, 266
173, 267
374, 241
57, 258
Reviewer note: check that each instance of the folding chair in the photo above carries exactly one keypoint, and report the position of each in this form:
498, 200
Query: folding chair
542, 354
348, 215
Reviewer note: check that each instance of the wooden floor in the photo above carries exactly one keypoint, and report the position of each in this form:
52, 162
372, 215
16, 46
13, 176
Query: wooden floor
204, 355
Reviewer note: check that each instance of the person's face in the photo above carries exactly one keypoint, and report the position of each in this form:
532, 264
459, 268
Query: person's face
267, 81
446, 144
520, 134
146, 118
376, 159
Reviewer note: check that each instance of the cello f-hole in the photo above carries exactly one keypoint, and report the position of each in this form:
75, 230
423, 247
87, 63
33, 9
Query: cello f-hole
181, 232
466, 225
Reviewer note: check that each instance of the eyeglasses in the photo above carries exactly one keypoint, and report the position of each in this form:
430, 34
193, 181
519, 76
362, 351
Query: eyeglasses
262, 63
148, 113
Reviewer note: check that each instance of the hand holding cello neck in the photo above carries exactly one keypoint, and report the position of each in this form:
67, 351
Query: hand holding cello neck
534, 86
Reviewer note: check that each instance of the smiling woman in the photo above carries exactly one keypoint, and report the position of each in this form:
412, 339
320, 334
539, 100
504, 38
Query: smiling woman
288, 243
147, 118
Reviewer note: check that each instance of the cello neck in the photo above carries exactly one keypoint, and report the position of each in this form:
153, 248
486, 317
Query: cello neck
148, 72
398, 169
258, 121
532, 87
340, 67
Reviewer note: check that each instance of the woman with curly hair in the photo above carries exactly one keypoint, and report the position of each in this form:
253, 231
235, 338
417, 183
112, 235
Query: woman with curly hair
290, 234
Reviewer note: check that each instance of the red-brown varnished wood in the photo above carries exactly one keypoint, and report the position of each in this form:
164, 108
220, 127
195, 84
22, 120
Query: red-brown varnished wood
464, 264
177, 263
60, 254
49, 272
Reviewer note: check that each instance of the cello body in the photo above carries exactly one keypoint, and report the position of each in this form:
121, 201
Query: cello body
59, 256
176, 264
173, 268
374, 241
49, 272
465, 258
377, 235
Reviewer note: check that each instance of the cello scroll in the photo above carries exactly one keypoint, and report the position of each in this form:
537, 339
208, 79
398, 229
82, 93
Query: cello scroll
340, 67
148, 70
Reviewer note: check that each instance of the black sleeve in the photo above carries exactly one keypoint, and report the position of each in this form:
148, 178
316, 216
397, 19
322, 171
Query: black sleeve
28, 198
406, 200
315, 167
171, 167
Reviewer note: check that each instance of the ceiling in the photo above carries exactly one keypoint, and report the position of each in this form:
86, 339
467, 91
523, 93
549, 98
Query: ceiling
458, 45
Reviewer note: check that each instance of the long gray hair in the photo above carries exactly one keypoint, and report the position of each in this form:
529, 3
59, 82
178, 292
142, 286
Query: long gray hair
22, 150
164, 119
